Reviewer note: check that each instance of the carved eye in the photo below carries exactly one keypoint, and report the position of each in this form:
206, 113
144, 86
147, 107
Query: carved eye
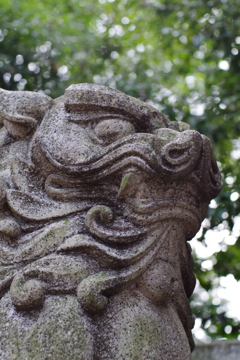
113, 129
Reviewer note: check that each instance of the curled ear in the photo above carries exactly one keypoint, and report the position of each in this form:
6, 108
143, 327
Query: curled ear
21, 111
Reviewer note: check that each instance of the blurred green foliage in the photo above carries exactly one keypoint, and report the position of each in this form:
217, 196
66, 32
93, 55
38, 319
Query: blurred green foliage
181, 56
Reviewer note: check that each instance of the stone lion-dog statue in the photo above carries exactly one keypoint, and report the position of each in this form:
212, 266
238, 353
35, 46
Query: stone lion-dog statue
99, 194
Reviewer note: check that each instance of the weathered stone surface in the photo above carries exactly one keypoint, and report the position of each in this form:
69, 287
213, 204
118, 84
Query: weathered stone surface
217, 350
99, 193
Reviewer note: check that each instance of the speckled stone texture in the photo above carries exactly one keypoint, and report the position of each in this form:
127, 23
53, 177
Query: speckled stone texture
99, 193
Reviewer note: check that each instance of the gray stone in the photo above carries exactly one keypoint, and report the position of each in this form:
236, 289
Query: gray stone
99, 193
218, 350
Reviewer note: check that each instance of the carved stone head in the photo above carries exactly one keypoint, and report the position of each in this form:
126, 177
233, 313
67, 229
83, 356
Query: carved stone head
99, 193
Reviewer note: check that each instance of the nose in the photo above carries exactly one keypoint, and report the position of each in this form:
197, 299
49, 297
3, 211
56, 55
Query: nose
180, 156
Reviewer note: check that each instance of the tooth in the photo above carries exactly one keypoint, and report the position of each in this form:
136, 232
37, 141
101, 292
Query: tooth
128, 185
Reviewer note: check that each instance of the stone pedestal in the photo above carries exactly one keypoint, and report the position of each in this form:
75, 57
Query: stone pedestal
99, 194
217, 350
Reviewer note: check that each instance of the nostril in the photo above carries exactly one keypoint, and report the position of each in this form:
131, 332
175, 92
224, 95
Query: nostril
177, 153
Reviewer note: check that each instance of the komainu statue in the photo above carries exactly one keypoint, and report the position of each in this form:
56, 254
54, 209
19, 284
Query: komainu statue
99, 193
